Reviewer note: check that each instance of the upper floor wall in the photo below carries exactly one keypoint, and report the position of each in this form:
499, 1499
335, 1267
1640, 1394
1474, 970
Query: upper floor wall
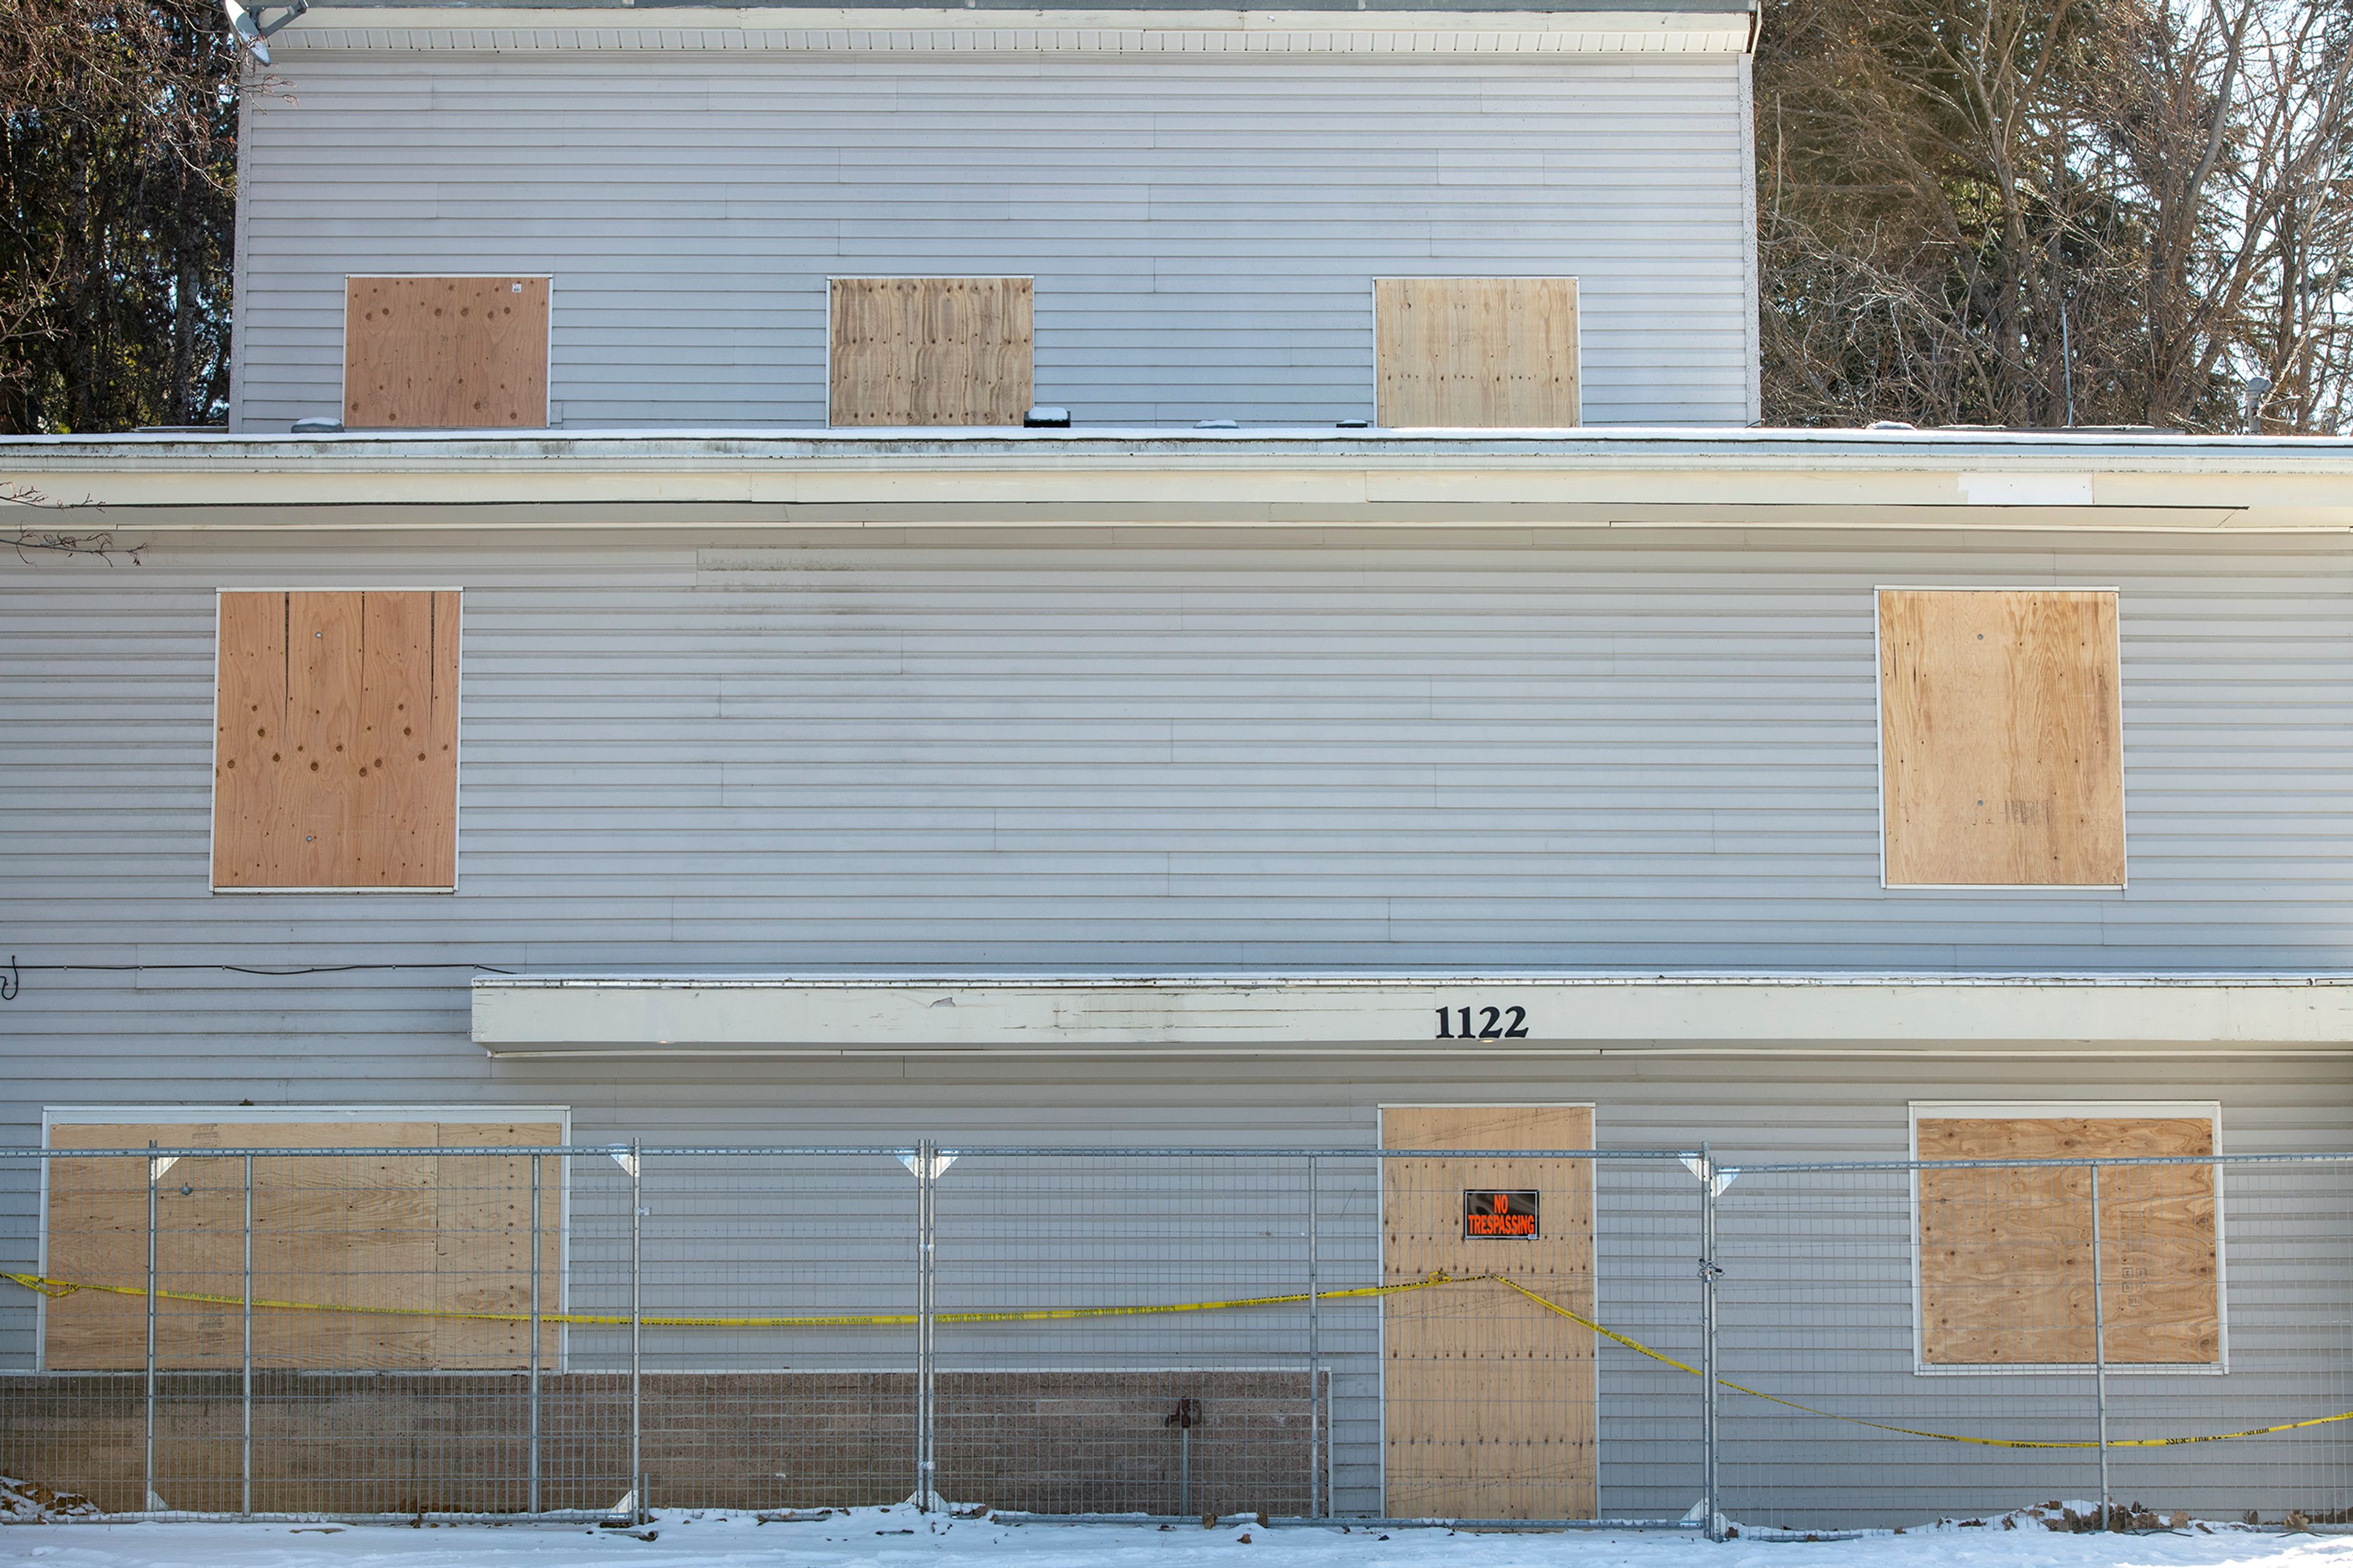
1396, 751
1201, 203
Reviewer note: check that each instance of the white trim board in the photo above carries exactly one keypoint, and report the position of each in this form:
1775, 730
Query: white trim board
965, 31
784, 1016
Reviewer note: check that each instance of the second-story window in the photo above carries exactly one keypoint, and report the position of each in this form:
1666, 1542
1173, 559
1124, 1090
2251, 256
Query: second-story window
1476, 352
2002, 738
928, 350
335, 759
445, 354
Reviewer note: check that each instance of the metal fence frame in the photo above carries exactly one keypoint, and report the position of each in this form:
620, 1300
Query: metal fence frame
927, 1160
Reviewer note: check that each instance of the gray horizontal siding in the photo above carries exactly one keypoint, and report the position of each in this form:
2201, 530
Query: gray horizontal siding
1816, 1303
1203, 233
1368, 753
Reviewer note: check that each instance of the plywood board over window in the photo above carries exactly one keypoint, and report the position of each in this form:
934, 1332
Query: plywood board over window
930, 351
1488, 1398
2005, 1254
1477, 353
422, 1236
2002, 738
430, 353
335, 759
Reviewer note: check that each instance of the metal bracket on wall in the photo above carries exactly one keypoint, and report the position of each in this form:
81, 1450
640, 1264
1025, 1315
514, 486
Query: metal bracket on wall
1724, 1175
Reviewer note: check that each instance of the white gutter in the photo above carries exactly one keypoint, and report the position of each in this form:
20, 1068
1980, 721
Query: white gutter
781, 1015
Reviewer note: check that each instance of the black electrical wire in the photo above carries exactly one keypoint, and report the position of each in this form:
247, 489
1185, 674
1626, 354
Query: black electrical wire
14, 981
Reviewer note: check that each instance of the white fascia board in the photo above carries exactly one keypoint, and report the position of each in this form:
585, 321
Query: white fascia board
995, 478
528, 1016
959, 30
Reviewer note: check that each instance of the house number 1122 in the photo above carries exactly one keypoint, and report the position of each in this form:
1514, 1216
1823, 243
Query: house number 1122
1494, 1024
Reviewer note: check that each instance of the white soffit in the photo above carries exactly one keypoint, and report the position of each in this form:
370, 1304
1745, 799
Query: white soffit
931, 30
562, 1016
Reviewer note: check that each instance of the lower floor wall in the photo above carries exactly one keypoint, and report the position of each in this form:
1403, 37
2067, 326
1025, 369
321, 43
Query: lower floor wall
1841, 1401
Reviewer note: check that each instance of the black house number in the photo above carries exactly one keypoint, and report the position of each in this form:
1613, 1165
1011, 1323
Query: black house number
1493, 1024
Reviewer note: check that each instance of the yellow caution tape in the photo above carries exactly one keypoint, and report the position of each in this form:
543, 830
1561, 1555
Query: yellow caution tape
1640, 1349
60, 1288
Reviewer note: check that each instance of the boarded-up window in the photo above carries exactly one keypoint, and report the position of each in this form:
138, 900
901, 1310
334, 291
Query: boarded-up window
422, 1238
2002, 738
930, 351
2005, 1253
1491, 353
433, 353
335, 761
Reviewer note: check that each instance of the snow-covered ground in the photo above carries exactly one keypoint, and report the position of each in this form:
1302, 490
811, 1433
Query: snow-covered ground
899, 1538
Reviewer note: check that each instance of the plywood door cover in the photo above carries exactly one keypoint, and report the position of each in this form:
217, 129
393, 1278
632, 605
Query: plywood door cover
1489, 1400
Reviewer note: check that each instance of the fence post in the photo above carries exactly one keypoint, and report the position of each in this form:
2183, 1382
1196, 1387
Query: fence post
926, 1411
154, 1178
1314, 1347
245, 1459
534, 1333
2100, 1350
1708, 1271
637, 1379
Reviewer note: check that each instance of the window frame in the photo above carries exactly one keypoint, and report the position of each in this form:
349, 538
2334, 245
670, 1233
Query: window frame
2209, 1110
457, 746
1879, 736
54, 1116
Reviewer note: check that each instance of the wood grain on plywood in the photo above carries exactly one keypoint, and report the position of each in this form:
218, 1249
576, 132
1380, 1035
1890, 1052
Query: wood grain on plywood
1477, 353
482, 1244
406, 781
931, 351
336, 757
323, 672
2002, 738
249, 770
2005, 1254
445, 352
1489, 1400
420, 1231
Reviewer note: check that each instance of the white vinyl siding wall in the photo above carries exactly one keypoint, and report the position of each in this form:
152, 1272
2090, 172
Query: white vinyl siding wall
1204, 232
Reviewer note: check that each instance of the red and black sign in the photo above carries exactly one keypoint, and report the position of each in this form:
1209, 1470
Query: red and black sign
1500, 1217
